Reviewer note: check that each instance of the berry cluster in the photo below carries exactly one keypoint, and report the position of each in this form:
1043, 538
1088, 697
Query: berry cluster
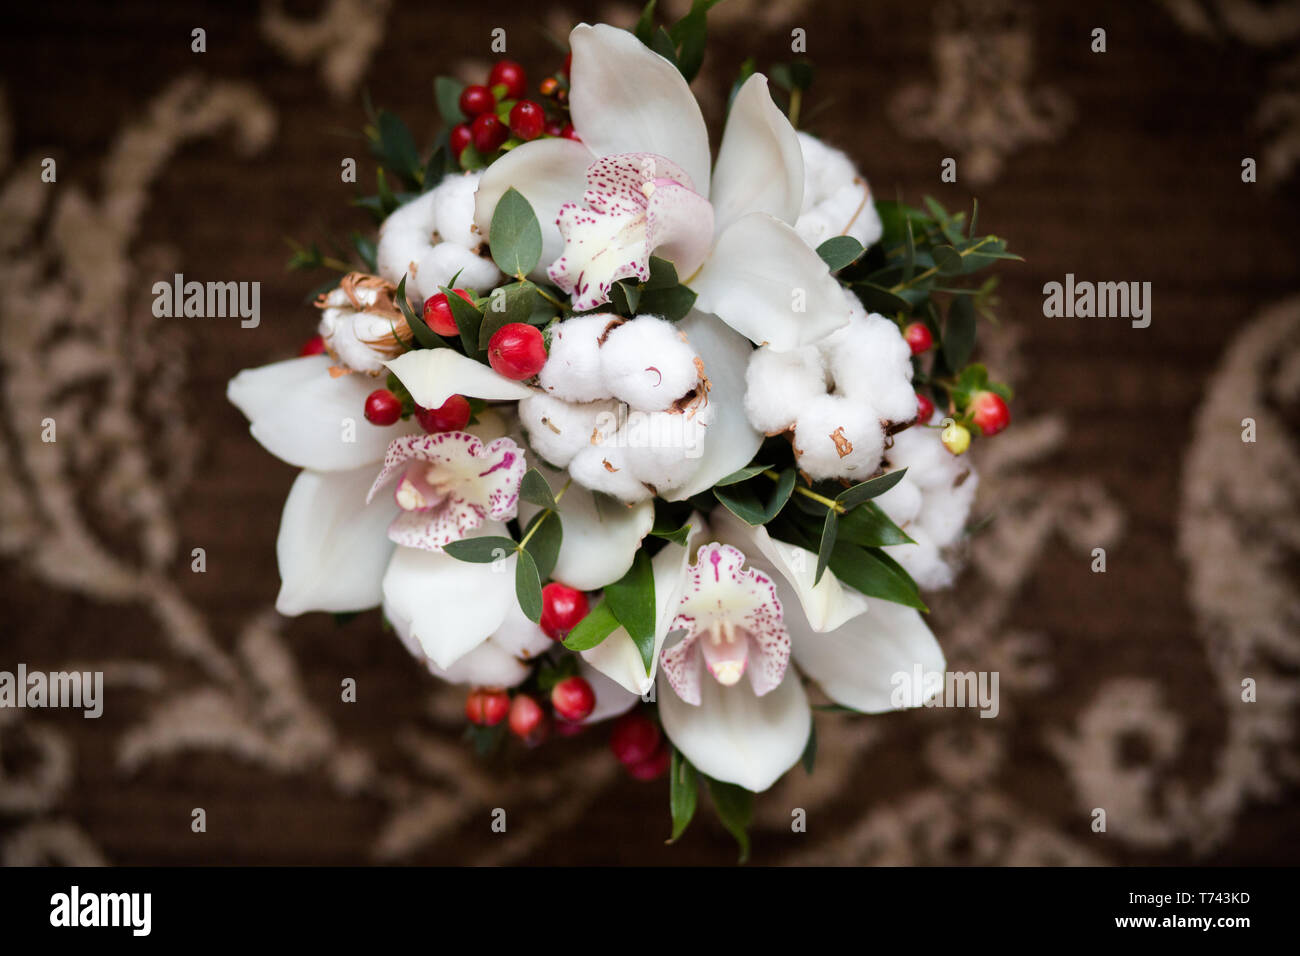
987, 410
498, 116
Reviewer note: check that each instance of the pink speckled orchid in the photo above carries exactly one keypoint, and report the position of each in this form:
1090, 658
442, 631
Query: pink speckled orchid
450, 484
640, 183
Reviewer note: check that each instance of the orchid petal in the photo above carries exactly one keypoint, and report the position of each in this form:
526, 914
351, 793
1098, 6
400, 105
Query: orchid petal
434, 375
306, 417
488, 665
612, 698
601, 536
623, 98
826, 604
548, 173
735, 736
450, 606
859, 664
764, 282
730, 441
331, 547
760, 165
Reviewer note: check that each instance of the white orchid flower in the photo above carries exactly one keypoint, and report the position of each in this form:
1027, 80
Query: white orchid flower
639, 182
748, 605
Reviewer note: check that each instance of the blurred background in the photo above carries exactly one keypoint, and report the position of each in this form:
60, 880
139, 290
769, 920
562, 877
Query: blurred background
1119, 690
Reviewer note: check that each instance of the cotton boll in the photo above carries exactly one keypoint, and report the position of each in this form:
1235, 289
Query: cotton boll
836, 437
922, 560
606, 469
573, 363
362, 341
943, 515
779, 384
647, 364
836, 199
453, 206
901, 503
558, 430
446, 261
663, 449
869, 359
404, 237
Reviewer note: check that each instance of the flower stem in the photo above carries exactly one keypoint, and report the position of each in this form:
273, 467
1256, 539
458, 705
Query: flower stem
921, 276
830, 503
546, 514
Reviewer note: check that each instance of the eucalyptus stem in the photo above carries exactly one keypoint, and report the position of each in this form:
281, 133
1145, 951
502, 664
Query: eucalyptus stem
933, 270
542, 520
796, 100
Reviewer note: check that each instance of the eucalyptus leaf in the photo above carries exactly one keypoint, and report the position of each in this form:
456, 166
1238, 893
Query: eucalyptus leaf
528, 587
743, 474
839, 251
959, 332
483, 550
446, 91
545, 533
516, 235
535, 489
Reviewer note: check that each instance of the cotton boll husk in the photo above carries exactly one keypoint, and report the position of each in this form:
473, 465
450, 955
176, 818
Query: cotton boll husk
647, 364
663, 448
901, 503
453, 207
779, 384
356, 337
557, 430
573, 362
818, 453
588, 469
445, 262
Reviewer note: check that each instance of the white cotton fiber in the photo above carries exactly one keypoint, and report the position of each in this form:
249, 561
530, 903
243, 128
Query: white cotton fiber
779, 384
573, 365
837, 437
648, 364
923, 561
558, 430
836, 198
453, 207
605, 468
902, 503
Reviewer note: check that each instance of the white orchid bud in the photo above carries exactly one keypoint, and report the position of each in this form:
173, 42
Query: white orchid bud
361, 324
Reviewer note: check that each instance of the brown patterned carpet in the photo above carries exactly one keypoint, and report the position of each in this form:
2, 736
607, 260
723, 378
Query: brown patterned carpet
1120, 690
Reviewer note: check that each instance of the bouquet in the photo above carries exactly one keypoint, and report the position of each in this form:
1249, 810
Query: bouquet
616, 430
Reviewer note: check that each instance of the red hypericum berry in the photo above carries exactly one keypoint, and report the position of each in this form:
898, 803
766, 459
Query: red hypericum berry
569, 133
451, 416
635, 738
438, 315
517, 351
990, 412
918, 337
573, 698
489, 133
313, 346
460, 138
509, 74
653, 767
568, 63
526, 715
527, 119
567, 728
554, 128
382, 407
924, 409
476, 100
562, 608
486, 706
548, 86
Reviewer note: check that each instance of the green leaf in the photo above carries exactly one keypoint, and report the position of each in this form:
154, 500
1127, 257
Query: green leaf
744, 474
545, 534
672, 304
663, 44
840, 251
506, 304
483, 550
516, 235
625, 296
829, 529
535, 489
947, 260
663, 275
423, 334
599, 623
645, 24
683, 794
745, 504
959, 332
468, 318
870, 527
871, 488
399, 151
632, 599
875, 574
528, 587
809, 757
735, 808
877, 298
666, 530
446, 91
690, 34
